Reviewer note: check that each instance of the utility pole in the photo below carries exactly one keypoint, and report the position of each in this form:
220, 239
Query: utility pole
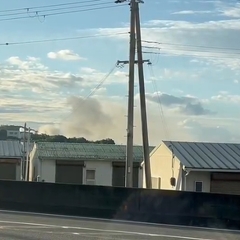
143, 101
27, 155
24, 152
129, 150
135, 31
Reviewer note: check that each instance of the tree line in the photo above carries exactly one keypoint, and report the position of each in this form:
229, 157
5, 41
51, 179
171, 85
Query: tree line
55, 138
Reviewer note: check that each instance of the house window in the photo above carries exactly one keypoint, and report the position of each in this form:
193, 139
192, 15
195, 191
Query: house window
90, 177
198, 186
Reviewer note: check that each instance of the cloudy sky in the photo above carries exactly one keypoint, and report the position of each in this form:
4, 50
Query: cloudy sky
55, 59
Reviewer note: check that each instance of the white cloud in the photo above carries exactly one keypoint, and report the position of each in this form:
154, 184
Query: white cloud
190, 12
66, 55
215, 42
233, 11
43, 97
236, 81
209, 131
226, 97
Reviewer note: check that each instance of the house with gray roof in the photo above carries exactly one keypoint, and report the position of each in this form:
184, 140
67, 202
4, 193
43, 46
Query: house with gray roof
10, 160
196, 166
83, 163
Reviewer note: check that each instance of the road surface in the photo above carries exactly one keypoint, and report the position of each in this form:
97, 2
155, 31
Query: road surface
23, 226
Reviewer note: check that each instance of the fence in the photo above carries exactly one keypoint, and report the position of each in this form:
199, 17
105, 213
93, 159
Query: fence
155, 206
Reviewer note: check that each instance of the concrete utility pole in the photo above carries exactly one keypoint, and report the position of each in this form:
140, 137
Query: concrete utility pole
143, 101
27, 155
135, 29
24, 153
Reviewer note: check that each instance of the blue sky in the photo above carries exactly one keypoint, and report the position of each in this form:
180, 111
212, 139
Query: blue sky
195, 77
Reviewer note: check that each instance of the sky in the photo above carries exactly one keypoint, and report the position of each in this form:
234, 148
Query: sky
58, 68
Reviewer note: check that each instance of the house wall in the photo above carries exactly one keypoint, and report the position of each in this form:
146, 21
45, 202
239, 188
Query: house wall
161, 167
46, 169
103, 174
33, 164
13, 133
204, 177
18, 172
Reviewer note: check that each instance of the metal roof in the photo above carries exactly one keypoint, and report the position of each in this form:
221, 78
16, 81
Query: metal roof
200, 155
10, 149
86, 151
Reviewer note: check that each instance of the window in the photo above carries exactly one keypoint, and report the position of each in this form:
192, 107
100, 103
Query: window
198, 186
90, 177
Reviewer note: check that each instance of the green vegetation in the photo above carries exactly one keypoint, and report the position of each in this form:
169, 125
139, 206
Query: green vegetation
61, 138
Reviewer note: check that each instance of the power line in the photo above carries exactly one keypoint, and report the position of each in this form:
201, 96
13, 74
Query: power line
155, 88
47, 6
54, 9
194, 55
60, 39
64, 12
189, 45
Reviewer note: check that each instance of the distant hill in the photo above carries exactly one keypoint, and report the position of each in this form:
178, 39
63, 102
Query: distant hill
61, 138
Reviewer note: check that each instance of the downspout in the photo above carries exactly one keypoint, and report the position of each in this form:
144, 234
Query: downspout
185, 177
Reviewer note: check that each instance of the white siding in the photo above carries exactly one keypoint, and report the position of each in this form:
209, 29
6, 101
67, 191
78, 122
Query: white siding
103, 175
48, 170
161, 167
33, 163
140, 178
198, 177
18, 172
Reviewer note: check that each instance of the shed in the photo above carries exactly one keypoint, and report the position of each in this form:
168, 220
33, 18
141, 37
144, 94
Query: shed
83, 163
10, 160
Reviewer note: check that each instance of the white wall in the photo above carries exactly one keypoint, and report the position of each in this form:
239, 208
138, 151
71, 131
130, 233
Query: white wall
200, 177
18, 172
140, 178
103, 174
33, 163
47, 170
11, 133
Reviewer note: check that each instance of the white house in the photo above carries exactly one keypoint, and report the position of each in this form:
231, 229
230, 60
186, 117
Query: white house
83, 163
10, 160
196, 166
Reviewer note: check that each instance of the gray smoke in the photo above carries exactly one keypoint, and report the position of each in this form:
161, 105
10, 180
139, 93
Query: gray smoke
87, 119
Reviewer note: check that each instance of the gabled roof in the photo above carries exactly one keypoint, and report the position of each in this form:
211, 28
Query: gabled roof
86, 151
199, 155
10, 149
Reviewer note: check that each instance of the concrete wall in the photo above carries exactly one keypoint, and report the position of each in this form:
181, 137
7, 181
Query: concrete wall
161, 167
193, 177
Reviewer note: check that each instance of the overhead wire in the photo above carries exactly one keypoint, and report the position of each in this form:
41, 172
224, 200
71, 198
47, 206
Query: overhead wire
190, 45
193, 55
159, 102
63, 12
102, 81
47, 6
62, 39
28, 11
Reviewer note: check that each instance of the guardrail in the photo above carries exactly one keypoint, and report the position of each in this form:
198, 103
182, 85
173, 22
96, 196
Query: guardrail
155, 206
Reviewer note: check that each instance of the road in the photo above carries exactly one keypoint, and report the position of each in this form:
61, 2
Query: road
23, 226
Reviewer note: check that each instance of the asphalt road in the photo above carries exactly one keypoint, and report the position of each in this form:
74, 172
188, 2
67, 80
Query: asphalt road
22, 226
